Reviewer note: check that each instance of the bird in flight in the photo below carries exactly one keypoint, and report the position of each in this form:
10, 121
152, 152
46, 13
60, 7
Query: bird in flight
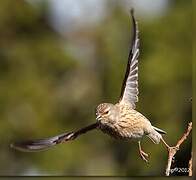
120, 120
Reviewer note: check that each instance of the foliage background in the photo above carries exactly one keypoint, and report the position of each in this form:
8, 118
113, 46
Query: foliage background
51, 82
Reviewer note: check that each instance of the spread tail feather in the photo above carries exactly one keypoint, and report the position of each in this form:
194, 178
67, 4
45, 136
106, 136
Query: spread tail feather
43, 144
155, 134
159, 130
155, 137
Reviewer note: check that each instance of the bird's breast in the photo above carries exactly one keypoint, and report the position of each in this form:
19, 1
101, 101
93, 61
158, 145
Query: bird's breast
110, 130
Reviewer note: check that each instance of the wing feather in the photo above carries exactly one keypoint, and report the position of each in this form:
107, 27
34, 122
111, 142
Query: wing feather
43, 144
129, 91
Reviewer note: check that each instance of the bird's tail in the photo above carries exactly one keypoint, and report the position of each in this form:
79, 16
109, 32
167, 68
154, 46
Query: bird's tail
43, 144
159, 130
155, 135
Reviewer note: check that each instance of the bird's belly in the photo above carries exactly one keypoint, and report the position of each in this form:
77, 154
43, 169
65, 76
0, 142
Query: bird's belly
121, 133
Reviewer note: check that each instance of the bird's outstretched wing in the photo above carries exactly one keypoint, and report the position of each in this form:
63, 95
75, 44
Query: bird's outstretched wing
129, 91
43, 144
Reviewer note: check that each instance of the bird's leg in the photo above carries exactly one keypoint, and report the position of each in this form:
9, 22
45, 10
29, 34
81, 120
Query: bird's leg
169, 148
143, 155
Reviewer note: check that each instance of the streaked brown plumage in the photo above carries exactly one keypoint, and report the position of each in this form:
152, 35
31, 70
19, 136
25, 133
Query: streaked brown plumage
126, 123
120, 120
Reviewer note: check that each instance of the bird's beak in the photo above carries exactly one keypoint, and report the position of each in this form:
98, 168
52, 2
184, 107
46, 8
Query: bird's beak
98, 117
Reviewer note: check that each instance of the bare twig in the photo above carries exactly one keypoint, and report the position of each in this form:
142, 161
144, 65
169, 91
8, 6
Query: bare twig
173, 150
191, 165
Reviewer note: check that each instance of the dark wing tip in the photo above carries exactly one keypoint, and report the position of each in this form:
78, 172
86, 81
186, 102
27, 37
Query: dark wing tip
132, 11
41, 144
20, 146
134, 24
31, 146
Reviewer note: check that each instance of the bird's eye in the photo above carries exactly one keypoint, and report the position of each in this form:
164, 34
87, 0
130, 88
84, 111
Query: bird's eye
106, 112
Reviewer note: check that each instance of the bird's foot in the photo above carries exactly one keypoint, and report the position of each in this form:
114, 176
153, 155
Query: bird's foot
144, 155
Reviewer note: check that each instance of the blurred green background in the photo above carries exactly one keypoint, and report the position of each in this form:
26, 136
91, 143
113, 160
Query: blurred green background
59, 60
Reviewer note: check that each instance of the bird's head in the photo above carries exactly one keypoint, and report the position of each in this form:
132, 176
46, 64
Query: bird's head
106, 113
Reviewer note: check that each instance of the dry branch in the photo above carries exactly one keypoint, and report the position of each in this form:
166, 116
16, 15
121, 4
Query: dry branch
173, 150
191, 165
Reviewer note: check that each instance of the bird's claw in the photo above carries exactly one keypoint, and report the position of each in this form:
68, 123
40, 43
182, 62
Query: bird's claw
144, 156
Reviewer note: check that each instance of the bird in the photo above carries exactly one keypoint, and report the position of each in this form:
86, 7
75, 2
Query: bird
121, 120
